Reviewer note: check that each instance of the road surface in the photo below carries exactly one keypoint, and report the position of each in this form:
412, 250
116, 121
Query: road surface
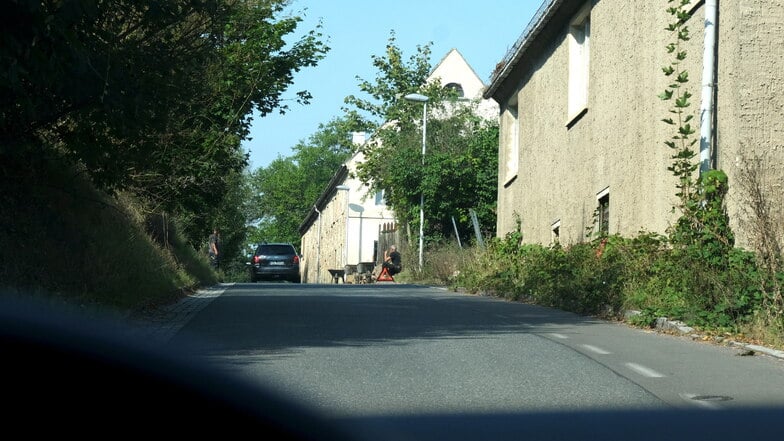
368, 350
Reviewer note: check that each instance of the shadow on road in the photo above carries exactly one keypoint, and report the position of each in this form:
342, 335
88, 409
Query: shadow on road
277, 318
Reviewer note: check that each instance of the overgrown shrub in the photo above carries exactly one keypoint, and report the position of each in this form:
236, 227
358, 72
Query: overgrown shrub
578, 278
443, 261
612, 274
680, 285
760, 219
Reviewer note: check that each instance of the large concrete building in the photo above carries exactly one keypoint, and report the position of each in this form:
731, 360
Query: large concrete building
582, 142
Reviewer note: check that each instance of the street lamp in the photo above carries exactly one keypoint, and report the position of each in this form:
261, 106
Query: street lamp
418, 98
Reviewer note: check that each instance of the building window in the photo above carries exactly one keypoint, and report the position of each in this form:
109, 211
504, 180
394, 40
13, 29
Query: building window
579, 49
604, 213
556, 231
457, 88
380, 199
512, 141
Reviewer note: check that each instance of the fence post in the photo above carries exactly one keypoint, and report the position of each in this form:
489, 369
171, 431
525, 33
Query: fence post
478, 233
457, 233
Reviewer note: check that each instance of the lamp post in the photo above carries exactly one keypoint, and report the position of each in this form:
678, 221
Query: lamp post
345, 239
418, 98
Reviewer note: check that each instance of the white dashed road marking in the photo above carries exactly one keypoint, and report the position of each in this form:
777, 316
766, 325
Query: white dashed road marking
561, 336
596, 350
644, 371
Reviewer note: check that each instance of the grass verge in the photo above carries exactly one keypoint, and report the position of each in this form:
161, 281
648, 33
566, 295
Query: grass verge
67, 241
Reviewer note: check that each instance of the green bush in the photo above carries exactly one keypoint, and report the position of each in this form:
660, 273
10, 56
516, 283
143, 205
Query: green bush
612, 274
576, 278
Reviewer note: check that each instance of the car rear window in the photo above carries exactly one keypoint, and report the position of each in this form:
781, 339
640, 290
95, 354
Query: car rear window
274, 250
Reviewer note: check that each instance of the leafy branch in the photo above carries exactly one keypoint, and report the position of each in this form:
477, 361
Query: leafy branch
682, 140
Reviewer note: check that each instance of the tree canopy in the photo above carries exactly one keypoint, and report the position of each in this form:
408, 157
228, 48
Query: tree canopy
395, 78
460, 166
459, 173
285, 190
151, 97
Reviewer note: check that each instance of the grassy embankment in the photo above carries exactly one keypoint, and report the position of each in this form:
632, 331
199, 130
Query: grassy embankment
65, 241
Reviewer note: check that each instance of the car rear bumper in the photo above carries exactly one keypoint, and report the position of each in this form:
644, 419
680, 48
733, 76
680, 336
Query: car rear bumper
267, 272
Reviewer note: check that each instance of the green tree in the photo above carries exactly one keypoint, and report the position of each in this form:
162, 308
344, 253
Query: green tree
459, 172
153, 97
460, 165
285, 190
394, 79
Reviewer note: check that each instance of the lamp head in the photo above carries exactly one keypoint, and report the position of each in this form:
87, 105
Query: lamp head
416, 97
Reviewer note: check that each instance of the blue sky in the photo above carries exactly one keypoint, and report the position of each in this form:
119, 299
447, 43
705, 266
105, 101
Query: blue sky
355, 30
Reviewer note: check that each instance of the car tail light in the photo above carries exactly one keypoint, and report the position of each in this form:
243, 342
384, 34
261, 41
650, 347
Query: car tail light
296, 260
255, 259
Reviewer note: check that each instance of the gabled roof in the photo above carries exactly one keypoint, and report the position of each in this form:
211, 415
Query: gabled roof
453, 68
456, 53
326, 195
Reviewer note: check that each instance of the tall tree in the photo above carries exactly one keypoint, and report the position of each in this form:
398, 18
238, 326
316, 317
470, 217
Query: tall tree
460, 165
395, 78
285, 190
154, 97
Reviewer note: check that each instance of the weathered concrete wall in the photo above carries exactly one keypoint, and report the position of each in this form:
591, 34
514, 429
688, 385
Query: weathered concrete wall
324, 251
750, 110
618, 143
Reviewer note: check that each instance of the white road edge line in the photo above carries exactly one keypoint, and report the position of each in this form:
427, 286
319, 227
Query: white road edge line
644, 371
561, 336
596, 350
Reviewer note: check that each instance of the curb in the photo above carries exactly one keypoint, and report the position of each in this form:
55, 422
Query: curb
163, 323
665, 324
756, 348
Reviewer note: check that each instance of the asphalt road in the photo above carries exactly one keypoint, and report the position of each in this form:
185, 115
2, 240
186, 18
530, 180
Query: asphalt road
368, 350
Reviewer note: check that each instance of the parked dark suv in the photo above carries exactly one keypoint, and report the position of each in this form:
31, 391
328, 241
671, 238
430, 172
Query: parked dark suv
275, 261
